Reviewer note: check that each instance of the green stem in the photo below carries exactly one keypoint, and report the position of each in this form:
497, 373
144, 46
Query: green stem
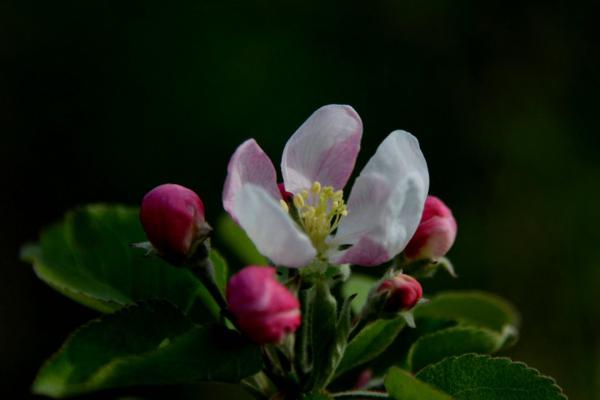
360, 394
205, 271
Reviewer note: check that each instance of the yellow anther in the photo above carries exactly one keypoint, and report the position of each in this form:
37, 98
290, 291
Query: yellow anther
284, 205
316, 187
298, 201
309, 213
328, 191
319, 211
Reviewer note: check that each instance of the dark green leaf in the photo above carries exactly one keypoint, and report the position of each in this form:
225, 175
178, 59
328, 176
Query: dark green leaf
475, 377
323, 334
453, 341
360, 285
401, 385
88, 258
370, 342
221, 269
146, 344
303, 345
236, 239
471, 307
316, 396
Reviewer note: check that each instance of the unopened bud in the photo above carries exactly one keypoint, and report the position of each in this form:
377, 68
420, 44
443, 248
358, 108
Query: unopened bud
435, 234
402, 291
263, 308
173, 219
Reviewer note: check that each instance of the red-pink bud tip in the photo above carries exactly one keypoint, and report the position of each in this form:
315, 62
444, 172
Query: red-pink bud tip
436, 232
263, 308
173, 219
404, 292
285, 195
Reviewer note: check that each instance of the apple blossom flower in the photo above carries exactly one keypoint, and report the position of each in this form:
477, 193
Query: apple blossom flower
403, 292
435, 234
262, 307
382, 212
173, 219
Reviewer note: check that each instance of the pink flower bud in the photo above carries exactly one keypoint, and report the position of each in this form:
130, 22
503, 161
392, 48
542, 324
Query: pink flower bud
404, 292
262, 307
435, 234
173, 219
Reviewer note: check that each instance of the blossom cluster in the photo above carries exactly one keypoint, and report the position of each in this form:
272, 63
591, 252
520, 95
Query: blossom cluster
304, 222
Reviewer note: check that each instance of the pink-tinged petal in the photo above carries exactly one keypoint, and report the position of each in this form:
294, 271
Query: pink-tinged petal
366, 252
385, 205
274, 233
323, 149
249, 164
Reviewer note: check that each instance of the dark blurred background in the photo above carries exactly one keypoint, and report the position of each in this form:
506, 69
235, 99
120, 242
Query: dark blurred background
101, 101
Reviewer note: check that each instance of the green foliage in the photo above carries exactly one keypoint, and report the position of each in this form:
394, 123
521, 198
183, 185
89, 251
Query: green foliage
471, 307
457, 340
88, 258
146, 344
316, 396
221, 269
453, 323
370, 342
323, 323
236, 239
401, 385
479, 377
360, 285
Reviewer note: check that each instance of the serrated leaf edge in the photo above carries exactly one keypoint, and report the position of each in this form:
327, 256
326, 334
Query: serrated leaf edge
508, 360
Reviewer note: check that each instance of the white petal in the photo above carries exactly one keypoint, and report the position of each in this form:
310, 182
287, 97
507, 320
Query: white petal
323, 149
386, 203
274, 233
249, 164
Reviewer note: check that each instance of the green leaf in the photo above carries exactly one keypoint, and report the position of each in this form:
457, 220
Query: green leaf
471, 307
360, 285
338, 348
236, 239
88, 258
453, 341
146, 344
474, 377
401, 385
221, 269
322, 395
370, 342
323, 334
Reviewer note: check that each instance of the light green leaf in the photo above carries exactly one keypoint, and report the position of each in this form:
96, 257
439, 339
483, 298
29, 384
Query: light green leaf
146, 344
370, 342
88, 258
471, 307
453, 341
236, 239
360, 285
401, 385
475, 377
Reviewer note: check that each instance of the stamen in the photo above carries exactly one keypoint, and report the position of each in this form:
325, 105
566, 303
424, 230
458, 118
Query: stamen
319, 212
298, 201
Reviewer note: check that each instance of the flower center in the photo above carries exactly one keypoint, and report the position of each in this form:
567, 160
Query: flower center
319, 212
